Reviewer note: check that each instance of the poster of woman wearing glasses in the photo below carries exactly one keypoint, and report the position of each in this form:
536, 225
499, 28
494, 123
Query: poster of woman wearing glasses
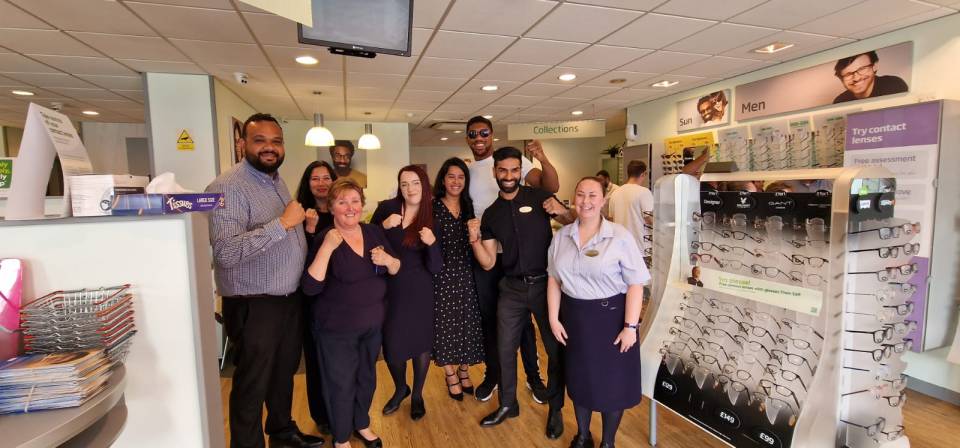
848, 77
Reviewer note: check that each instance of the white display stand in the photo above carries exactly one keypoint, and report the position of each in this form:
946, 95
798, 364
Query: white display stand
172, 389
700, 323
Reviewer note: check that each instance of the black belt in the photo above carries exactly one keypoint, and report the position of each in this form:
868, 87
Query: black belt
531, 279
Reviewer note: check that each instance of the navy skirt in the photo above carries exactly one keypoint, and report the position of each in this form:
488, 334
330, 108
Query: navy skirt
598, 376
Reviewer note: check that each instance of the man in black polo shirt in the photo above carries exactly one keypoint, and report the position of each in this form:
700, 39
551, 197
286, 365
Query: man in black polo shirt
520, 220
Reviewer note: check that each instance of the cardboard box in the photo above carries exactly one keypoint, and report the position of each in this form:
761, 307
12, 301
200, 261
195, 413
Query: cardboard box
163, 204
93, 195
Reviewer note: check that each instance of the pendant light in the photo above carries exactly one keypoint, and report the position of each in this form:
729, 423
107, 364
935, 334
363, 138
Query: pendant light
368, 140
319, 135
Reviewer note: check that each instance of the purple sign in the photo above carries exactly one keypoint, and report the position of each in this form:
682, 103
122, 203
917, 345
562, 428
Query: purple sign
915, 124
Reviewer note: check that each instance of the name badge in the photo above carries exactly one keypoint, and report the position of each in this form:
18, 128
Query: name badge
591, 253
526, 209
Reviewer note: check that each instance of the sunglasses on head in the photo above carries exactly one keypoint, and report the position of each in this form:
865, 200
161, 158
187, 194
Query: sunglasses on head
482, 132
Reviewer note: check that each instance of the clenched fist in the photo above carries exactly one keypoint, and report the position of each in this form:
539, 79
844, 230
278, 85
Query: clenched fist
427, 236
311, 219
379, 256
536, 150
473, 230
292, 215
553, 207
392, 221
331, 240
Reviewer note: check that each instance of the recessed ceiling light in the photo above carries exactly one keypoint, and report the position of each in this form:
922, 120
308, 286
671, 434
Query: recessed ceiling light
489, 88
457, 132
577, 112
665, 83
567, 77
496, 139
488, 116
91, 113
410, 114
618, 80
772, 48
443, 139
306, 60
21, 92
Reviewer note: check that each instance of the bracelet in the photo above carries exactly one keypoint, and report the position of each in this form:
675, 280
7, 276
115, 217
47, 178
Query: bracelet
630, 326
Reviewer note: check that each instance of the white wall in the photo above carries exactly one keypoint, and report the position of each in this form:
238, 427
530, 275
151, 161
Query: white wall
106, 144
936, 52
228, 107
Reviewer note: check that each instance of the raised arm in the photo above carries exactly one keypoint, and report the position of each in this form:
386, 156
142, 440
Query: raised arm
233, 242
545, 178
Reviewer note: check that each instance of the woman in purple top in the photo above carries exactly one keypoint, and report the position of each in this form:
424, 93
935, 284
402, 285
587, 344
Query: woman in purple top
348, 270
408, 329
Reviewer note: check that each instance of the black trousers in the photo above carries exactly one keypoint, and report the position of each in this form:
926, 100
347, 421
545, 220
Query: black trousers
267, 335
318, 409
488, 292
517, 301
349, 373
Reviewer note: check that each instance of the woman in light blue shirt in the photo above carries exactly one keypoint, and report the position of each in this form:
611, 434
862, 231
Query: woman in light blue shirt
594, 296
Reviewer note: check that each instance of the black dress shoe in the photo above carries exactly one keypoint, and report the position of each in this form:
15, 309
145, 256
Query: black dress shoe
502, 413
295, 440
394, 402
417, 411
554, 424
375, 443
582, 441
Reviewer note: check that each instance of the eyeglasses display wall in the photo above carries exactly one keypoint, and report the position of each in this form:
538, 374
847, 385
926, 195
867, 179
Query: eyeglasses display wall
761, 325
790, 144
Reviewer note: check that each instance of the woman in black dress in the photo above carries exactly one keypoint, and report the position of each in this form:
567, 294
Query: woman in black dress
458, 336
347, 273
312, 195
407, 220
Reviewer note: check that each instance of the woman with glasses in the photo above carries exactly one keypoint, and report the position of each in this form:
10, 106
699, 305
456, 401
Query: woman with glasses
458, 337
594, 295
407, 221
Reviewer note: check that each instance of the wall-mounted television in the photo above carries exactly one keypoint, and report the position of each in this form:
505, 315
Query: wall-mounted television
360, 27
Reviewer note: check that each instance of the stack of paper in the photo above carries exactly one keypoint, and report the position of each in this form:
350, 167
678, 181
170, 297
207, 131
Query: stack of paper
51, 381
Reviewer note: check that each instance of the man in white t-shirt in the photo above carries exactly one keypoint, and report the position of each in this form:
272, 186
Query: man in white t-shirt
484, 191
629, 202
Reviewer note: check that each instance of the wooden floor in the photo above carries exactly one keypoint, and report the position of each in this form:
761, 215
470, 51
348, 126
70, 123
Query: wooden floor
448, 423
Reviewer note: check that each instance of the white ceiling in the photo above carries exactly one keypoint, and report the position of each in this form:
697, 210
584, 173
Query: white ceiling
88, 54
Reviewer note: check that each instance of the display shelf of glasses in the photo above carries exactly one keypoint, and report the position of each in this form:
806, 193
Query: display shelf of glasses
800, 148
748, 339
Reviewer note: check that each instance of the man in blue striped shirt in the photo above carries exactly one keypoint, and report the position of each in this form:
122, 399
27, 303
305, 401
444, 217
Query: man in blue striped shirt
259, 251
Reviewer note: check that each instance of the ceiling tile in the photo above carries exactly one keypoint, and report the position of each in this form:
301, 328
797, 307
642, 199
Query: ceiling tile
630, 78
361, 114
630, 95
605, 57
720, 67
182, 22
116, 104
721, 38
507, 71
85, 94
639, 5
115, 82
500, 110
707, 10
212, 4
561, 103
583, 75
897, 24
221, 52
50, 80
474, 99
663, 62
655, 31
426, 13
271, 29
435, 83
790, 13
78, 65
429, 96
458, 108
803, 44
43, 42
538, 89
137, 95
684, 82
854, 19
87, 15
502, 86
454, 44
370, 93
581, 23
386, 64
307, 76
375, 80
132, 47
328, 94
14, 17
474, 16
162, 66
255, 74
418, 40
401, 115
416, 105
589, 92
459, 68
519, 100
286, 57
538, 51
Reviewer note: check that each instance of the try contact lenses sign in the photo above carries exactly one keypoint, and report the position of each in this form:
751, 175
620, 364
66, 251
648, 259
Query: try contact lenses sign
557, 129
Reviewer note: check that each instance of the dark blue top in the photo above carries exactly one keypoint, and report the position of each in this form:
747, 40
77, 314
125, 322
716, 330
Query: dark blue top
352, 296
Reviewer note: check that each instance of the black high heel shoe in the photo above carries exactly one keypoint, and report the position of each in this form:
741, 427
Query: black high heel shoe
459, 396
393, 404
375, 443
466, 389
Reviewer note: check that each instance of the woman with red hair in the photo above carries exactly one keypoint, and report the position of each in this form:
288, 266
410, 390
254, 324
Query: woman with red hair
407, 221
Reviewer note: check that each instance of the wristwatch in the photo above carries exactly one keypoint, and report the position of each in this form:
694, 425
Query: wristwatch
630, 326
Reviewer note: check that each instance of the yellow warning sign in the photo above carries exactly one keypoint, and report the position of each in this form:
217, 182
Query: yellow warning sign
184, 141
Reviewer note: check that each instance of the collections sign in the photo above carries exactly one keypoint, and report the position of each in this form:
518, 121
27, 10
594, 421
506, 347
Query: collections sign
6, 176
712, 109
557, 129
884, 71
